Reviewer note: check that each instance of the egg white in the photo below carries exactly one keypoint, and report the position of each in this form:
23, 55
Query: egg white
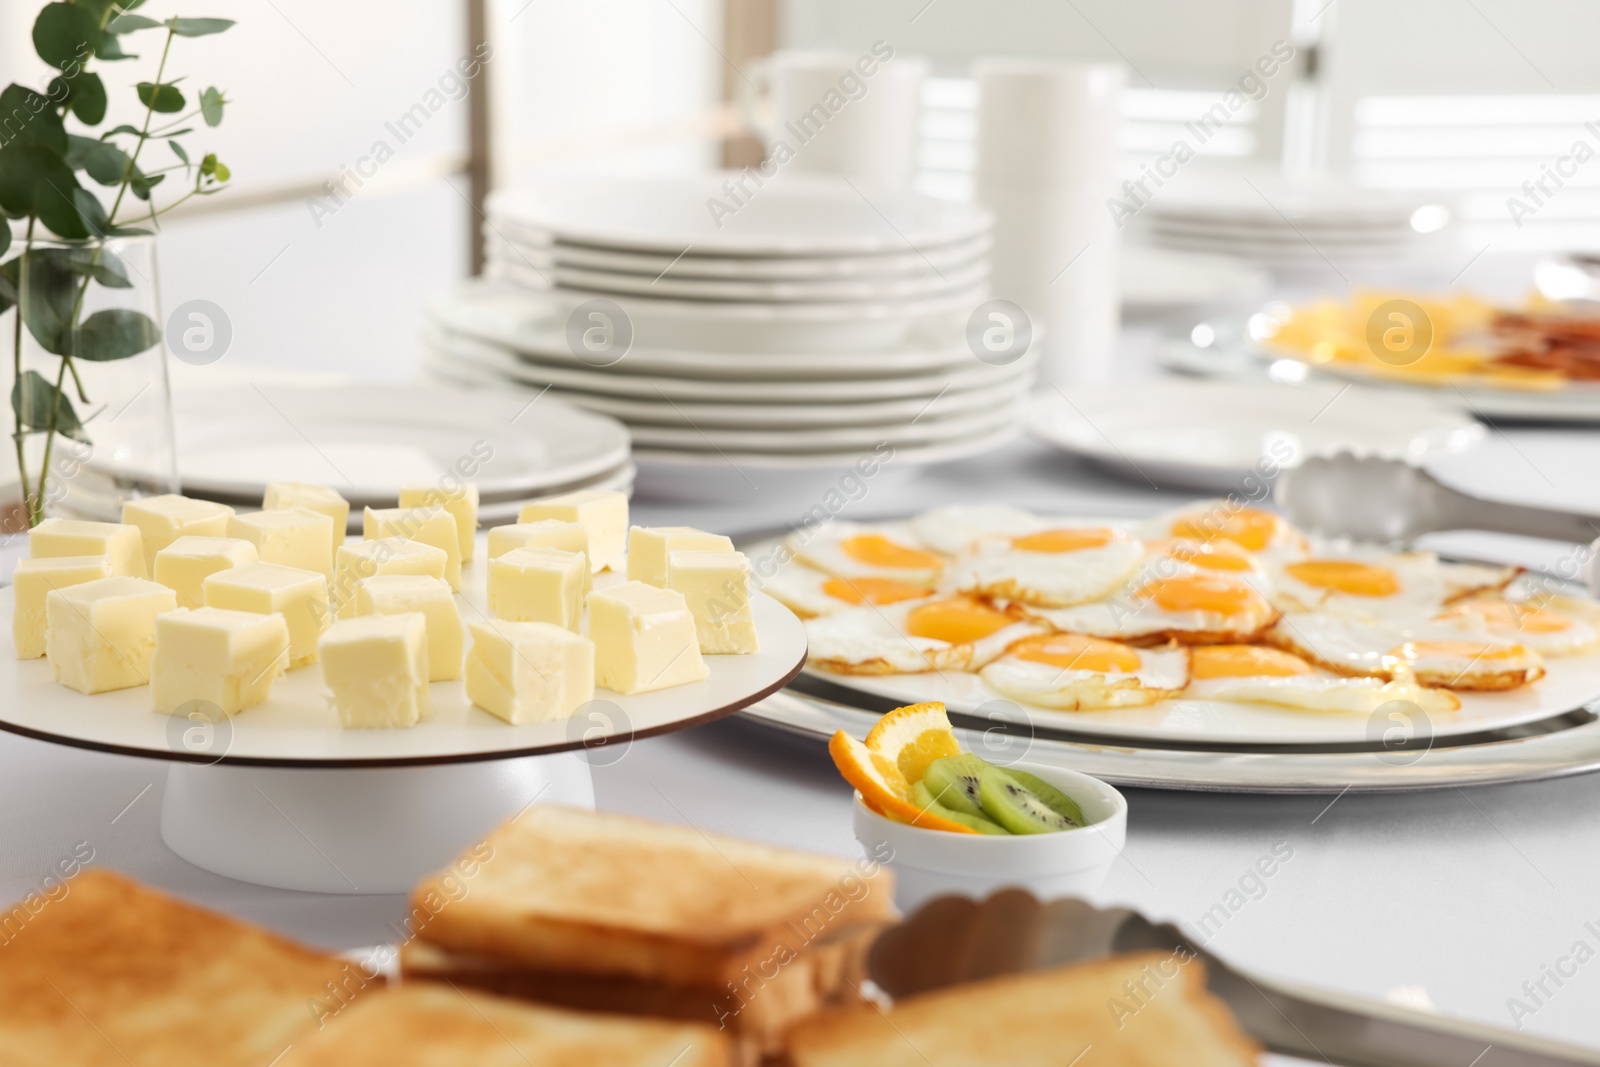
950, 530
1425, 583
994, 567
1161, 674
1321, 692
873, 640
803, 590
1135, 617
822, 550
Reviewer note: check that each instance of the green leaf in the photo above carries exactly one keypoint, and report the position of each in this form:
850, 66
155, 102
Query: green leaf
32, 399
5, 237
47, 289
197, 27
211, 102
221, 172
101, 264
116, 333
29, 118
177, 150
110, 49
174, 133
36, 181
105, 162
130, 23
140, 186
65, 35
88, 98
163, 98
8, 285
90, 211
124, 128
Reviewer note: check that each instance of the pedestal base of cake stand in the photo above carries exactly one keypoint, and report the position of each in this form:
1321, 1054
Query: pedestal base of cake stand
353, 830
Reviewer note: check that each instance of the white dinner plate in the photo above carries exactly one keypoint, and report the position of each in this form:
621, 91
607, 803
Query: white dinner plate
530, 322
830, 439
921, 286
365, 441
793, 214
1211, 435
444, 352
506, 241
296, 726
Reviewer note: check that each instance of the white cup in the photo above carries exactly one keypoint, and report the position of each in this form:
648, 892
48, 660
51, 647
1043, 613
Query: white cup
838, 113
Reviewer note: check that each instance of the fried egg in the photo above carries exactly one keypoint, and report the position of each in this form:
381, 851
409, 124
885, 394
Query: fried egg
1406, 585
912, 637
1070, 672
1188, 608
1049, 568
851, 550
1252, 674
1252, 529
1542, 626
949, 530
1456, 652
809, 593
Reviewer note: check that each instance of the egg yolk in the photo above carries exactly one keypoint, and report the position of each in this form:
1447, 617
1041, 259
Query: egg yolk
1244, 661
1414, 650
1065, 540
1216, 556
1200, 592
1079, 653
1346, 576
872, 590
876, 550
1505, 616
957, 621
1249, 528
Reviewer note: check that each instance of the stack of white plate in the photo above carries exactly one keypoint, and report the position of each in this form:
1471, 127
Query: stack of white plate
367, 441
1281, 222
792, 325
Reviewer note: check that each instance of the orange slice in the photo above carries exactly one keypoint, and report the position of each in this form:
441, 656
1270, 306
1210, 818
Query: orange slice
913, 737
881, 785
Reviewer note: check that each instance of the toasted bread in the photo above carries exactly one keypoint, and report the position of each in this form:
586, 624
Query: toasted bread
427, 1024
1142, 1010
563, 890
113, 974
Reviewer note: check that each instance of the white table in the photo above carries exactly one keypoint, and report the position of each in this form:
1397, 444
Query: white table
1453, 898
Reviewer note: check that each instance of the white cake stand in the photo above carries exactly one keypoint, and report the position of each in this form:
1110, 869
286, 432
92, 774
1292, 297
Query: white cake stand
281, 795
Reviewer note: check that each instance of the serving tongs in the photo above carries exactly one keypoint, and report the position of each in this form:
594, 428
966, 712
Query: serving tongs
1382, 500
954, 939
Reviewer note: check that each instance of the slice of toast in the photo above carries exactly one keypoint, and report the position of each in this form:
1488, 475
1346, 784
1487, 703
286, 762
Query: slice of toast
110, 973
563, 890
427, 1024
1148, 1009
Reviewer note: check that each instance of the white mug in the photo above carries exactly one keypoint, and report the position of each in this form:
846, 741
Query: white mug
838, 113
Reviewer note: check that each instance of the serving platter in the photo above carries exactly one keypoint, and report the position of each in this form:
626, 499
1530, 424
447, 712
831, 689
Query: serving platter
297, 728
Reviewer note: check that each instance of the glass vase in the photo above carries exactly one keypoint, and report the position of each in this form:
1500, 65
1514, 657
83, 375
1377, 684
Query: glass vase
91, 410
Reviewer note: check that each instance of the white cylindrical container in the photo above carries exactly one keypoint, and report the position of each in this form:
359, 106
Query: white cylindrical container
1046, 166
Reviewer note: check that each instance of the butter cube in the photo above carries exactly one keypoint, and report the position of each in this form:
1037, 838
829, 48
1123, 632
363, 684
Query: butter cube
644, 639
648, 547
186, 563
292, 537
163, 519
300, 596
716, 586
100, 635
34, 580
315, 497
376, 668
396, 594
386, 555
120, 543
538, 585
603, 513
429, 526
529, 671
228, 659
545, 533
461, 502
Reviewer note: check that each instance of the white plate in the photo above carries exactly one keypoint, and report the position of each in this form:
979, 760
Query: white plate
792, 214
295, 727
924, 432
928, 284
365, 441
1150, 278
1210, 435
445, 352
508, 242
533, 323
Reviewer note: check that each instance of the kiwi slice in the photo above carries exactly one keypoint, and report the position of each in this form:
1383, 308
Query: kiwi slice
1013, 805
1054, 799
923, 798
953, 781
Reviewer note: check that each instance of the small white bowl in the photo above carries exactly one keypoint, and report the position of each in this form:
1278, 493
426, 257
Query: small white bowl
931, 863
